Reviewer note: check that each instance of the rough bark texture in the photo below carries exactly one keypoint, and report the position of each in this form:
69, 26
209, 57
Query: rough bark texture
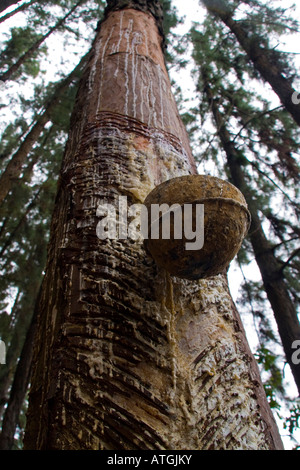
127, 357
17, 10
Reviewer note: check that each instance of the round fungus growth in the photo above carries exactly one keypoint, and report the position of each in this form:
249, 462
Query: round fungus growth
196, 225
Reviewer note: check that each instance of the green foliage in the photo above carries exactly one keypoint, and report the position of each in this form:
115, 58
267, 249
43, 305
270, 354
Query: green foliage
11, 139
293, 421
26, 212
20, 41
273, 381
170, 22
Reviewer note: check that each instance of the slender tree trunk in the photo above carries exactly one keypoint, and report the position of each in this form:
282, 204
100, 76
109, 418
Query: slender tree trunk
7, 369
15, 165
18, 389
127, 357
21, 222
284, 310
284, 151
28, 54
270, 70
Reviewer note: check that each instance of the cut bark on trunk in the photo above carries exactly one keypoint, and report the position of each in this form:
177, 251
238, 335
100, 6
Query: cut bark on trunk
127, 357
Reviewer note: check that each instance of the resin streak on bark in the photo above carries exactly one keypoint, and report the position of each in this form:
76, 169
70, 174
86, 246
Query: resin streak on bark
127, 75
130, 358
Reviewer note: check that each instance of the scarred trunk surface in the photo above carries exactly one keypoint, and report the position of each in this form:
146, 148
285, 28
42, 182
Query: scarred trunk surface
126, 356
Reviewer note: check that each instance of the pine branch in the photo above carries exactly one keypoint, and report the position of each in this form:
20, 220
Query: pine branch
284, 242
21, 221
273, 182
270, 69
287, 262
264, 113
269, 23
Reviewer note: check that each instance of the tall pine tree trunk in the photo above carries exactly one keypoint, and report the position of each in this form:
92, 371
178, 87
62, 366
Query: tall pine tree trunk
15, 164
17, 10
273, 279
127, 357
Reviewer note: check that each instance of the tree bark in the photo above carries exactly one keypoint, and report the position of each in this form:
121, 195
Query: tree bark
270, 70
127, 357
28, 54
15, 165
273, 279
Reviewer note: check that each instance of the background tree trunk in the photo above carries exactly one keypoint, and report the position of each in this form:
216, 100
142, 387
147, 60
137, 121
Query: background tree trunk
284, 310
270, 70
15, 165
125, 356
18, 390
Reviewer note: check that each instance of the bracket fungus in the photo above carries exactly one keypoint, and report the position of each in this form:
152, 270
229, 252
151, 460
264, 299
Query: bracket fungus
224, 223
